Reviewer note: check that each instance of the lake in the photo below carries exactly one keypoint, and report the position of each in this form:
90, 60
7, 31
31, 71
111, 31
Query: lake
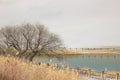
96, 62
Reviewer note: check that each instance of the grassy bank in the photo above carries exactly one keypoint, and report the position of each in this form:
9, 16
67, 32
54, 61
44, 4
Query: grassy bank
15, 69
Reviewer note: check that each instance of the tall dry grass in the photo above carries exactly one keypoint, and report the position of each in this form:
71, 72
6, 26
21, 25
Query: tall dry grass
16, 69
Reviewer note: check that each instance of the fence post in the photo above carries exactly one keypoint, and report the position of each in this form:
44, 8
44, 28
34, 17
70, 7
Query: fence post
102, 75
78, 69
117, 76
76, 49
89, 73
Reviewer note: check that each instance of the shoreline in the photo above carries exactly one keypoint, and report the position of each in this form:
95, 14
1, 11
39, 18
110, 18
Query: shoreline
85, 52
11, 63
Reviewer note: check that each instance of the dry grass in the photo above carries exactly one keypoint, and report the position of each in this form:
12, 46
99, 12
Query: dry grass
15, 69
85, 52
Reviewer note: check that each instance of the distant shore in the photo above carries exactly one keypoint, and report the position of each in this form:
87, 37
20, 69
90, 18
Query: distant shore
86, 52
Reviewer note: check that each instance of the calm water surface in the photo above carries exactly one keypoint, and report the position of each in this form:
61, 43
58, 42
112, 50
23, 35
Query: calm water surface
96, 62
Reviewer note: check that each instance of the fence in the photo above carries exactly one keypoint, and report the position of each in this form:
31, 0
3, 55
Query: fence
99, 75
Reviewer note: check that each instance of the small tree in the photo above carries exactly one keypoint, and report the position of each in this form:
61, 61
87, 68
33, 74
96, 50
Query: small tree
35, 38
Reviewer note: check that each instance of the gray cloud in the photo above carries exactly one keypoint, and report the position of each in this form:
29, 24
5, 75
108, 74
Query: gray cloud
79, 22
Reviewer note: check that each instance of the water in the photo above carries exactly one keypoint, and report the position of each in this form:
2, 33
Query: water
96, 62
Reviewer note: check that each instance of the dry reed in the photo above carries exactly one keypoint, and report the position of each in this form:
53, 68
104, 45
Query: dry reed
16, 69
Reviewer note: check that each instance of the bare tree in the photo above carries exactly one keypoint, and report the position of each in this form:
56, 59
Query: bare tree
35, 38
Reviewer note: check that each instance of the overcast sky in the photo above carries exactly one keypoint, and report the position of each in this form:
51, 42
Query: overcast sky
80, 23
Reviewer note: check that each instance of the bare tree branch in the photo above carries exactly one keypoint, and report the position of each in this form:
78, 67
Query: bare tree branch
34, 38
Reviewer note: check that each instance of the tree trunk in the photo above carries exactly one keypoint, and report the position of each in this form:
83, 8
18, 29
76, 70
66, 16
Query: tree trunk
32, 56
